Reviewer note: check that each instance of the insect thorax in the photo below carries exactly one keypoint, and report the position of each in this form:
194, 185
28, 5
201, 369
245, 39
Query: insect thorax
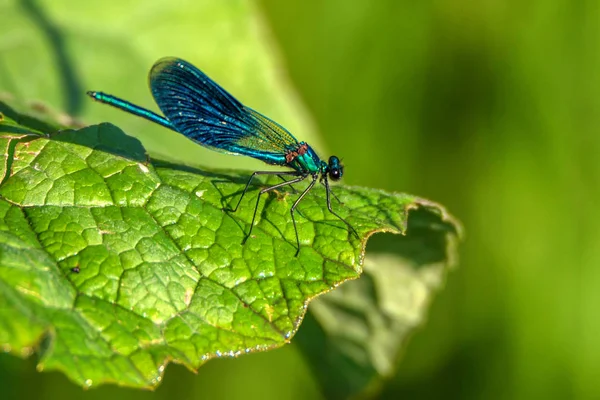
303, 159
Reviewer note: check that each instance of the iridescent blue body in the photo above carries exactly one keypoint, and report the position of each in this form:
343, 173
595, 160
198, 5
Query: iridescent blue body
198, 108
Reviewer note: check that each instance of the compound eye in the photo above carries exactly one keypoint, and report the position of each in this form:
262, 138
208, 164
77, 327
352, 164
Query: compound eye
336, 170
335, 174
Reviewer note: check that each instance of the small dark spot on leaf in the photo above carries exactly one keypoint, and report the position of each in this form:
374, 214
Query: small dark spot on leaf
75, 269
39, 106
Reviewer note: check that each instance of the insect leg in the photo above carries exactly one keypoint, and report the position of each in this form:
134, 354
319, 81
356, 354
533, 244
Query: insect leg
310, 186
278, 173
332, 193
283, 179
265, 190
328, 190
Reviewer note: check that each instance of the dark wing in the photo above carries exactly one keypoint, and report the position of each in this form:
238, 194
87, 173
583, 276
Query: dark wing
203, 111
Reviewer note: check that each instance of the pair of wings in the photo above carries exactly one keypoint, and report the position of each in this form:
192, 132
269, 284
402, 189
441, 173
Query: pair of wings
203, 111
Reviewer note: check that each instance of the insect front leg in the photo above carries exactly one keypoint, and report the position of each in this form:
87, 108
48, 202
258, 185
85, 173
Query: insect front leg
328, 190
332, 193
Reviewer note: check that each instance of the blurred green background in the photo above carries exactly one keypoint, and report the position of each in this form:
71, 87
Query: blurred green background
491, 108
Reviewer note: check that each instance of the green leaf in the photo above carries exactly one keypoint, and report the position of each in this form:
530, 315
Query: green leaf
354, 336
111, 265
